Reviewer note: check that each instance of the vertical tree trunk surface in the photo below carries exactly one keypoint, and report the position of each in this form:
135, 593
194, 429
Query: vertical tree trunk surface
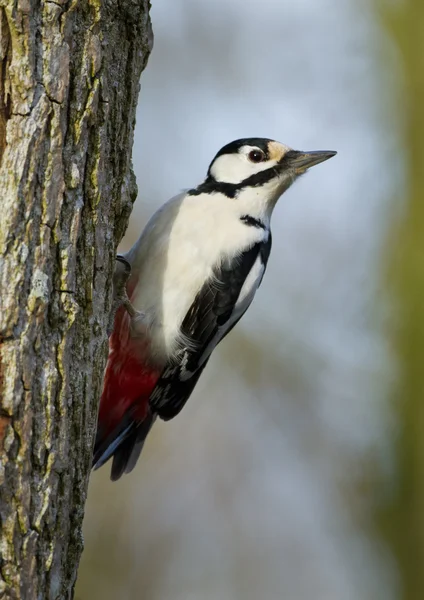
69, 81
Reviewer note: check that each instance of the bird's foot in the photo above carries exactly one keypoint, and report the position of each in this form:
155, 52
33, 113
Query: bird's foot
120, 296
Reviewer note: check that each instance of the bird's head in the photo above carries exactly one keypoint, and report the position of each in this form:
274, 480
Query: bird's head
258, 168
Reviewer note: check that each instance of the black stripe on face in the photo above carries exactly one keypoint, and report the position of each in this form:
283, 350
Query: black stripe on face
231, 190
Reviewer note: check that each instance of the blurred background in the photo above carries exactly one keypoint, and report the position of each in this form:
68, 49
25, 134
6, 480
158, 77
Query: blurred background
294, 471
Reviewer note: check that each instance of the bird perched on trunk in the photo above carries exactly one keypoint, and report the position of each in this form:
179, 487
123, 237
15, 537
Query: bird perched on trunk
193, 274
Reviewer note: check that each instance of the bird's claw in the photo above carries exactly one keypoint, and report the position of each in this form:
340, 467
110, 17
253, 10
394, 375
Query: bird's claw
120, 297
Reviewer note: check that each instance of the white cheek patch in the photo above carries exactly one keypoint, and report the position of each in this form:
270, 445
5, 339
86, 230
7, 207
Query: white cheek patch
235, 168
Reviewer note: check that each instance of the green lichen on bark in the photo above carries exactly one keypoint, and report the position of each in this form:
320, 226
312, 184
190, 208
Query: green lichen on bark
67, 103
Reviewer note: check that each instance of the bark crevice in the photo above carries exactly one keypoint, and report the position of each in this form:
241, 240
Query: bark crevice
5, 99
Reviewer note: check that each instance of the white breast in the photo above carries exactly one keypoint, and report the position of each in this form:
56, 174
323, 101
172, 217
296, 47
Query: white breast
175, 255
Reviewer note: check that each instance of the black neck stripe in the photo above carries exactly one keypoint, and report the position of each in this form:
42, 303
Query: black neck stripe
210, 186
231, 190
252, 222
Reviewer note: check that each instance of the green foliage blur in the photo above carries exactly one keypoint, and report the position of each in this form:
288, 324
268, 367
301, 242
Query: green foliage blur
404, 521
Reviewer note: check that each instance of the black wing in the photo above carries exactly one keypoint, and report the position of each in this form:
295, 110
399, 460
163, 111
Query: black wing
218, 306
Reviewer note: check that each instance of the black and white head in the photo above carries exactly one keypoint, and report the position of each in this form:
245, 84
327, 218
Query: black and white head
258, 170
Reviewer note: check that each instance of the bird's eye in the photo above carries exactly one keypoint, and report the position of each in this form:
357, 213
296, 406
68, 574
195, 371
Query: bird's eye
256, 156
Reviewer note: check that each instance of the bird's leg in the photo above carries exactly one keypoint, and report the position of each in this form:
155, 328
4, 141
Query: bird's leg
120, 280
120, 296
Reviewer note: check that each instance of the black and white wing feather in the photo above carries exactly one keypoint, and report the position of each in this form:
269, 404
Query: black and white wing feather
221, 302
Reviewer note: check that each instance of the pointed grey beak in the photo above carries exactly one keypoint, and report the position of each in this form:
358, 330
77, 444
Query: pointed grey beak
301, 161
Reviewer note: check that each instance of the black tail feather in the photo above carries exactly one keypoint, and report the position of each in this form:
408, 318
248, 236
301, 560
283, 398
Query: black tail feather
124, 443
122, 455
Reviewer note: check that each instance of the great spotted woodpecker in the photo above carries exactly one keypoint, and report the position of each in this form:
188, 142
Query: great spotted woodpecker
193, 273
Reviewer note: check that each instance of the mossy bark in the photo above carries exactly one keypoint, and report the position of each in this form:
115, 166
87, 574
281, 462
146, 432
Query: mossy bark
69, 82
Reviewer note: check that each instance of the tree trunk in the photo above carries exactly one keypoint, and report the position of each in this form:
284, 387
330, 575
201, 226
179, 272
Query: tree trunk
69, 81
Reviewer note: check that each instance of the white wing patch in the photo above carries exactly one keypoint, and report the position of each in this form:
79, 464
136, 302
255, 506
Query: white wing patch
244, 300
249, 288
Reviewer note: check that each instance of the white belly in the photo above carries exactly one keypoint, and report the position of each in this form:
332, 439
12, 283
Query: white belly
176, 255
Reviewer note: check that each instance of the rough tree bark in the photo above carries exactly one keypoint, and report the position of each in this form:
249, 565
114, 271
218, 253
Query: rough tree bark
69, 82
